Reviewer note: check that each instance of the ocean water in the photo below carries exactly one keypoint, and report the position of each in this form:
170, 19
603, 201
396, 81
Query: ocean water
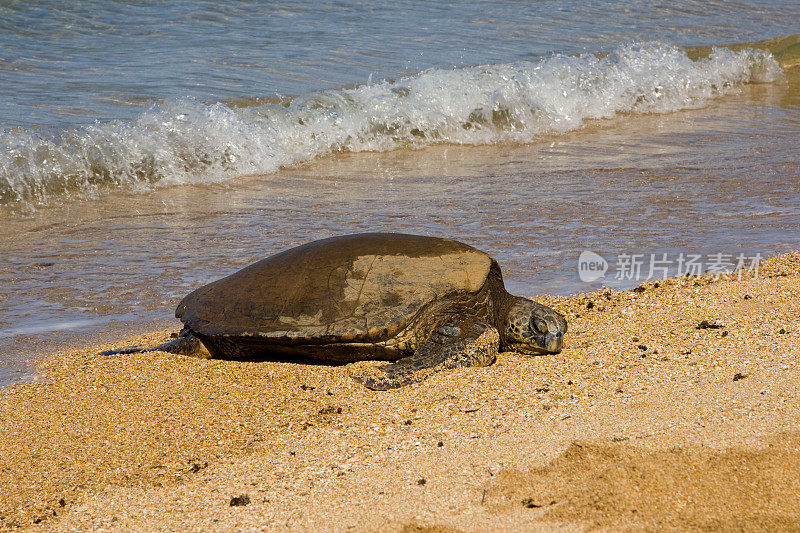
147, 148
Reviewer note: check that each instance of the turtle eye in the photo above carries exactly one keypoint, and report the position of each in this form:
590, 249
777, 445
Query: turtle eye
539, 325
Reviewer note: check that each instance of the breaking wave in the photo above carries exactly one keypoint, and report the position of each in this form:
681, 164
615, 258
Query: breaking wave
187, 141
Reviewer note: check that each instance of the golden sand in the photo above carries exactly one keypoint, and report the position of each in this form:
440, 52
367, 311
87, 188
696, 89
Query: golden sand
672, 406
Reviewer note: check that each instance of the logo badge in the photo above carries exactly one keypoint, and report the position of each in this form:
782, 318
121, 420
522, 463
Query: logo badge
591, 266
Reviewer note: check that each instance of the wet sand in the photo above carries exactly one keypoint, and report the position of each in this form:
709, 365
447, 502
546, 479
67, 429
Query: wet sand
672, 406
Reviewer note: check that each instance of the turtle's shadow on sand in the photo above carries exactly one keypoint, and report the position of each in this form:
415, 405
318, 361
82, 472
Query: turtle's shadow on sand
264, 357
284, 358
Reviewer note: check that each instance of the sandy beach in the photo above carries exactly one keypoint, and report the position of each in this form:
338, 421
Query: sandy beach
150, 148
673, 406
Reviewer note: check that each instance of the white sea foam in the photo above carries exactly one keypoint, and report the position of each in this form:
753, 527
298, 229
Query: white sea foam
186, 141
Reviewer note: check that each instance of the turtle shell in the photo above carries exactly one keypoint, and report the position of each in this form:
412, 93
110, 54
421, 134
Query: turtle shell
354, 288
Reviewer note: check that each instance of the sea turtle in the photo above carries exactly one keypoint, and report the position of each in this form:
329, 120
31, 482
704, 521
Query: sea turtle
424, 303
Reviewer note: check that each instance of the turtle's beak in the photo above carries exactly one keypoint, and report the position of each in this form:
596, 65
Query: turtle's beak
540, 344
553, 342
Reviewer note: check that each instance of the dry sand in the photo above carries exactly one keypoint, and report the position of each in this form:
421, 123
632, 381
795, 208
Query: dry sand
644, 421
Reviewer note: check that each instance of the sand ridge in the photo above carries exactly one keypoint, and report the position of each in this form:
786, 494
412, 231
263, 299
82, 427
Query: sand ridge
677, 399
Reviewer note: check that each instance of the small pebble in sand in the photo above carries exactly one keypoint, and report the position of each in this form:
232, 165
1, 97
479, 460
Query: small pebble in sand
421, 481
737, 376
196, 467
240, 501
530, 503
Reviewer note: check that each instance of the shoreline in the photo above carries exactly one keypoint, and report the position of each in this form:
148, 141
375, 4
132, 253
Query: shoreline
694, 372
149, 261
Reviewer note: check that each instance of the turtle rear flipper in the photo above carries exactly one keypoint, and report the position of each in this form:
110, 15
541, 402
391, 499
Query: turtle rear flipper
472, 344
186, 343
125, 351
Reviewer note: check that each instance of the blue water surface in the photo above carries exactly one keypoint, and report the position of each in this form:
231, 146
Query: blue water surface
67, 63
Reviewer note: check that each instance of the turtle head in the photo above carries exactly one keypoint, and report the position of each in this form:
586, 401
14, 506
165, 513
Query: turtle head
533, 328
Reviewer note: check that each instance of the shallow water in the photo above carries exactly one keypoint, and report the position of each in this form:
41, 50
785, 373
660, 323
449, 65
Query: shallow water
657, 155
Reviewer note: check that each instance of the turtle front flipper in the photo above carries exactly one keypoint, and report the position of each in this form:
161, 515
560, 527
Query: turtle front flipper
451, 346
